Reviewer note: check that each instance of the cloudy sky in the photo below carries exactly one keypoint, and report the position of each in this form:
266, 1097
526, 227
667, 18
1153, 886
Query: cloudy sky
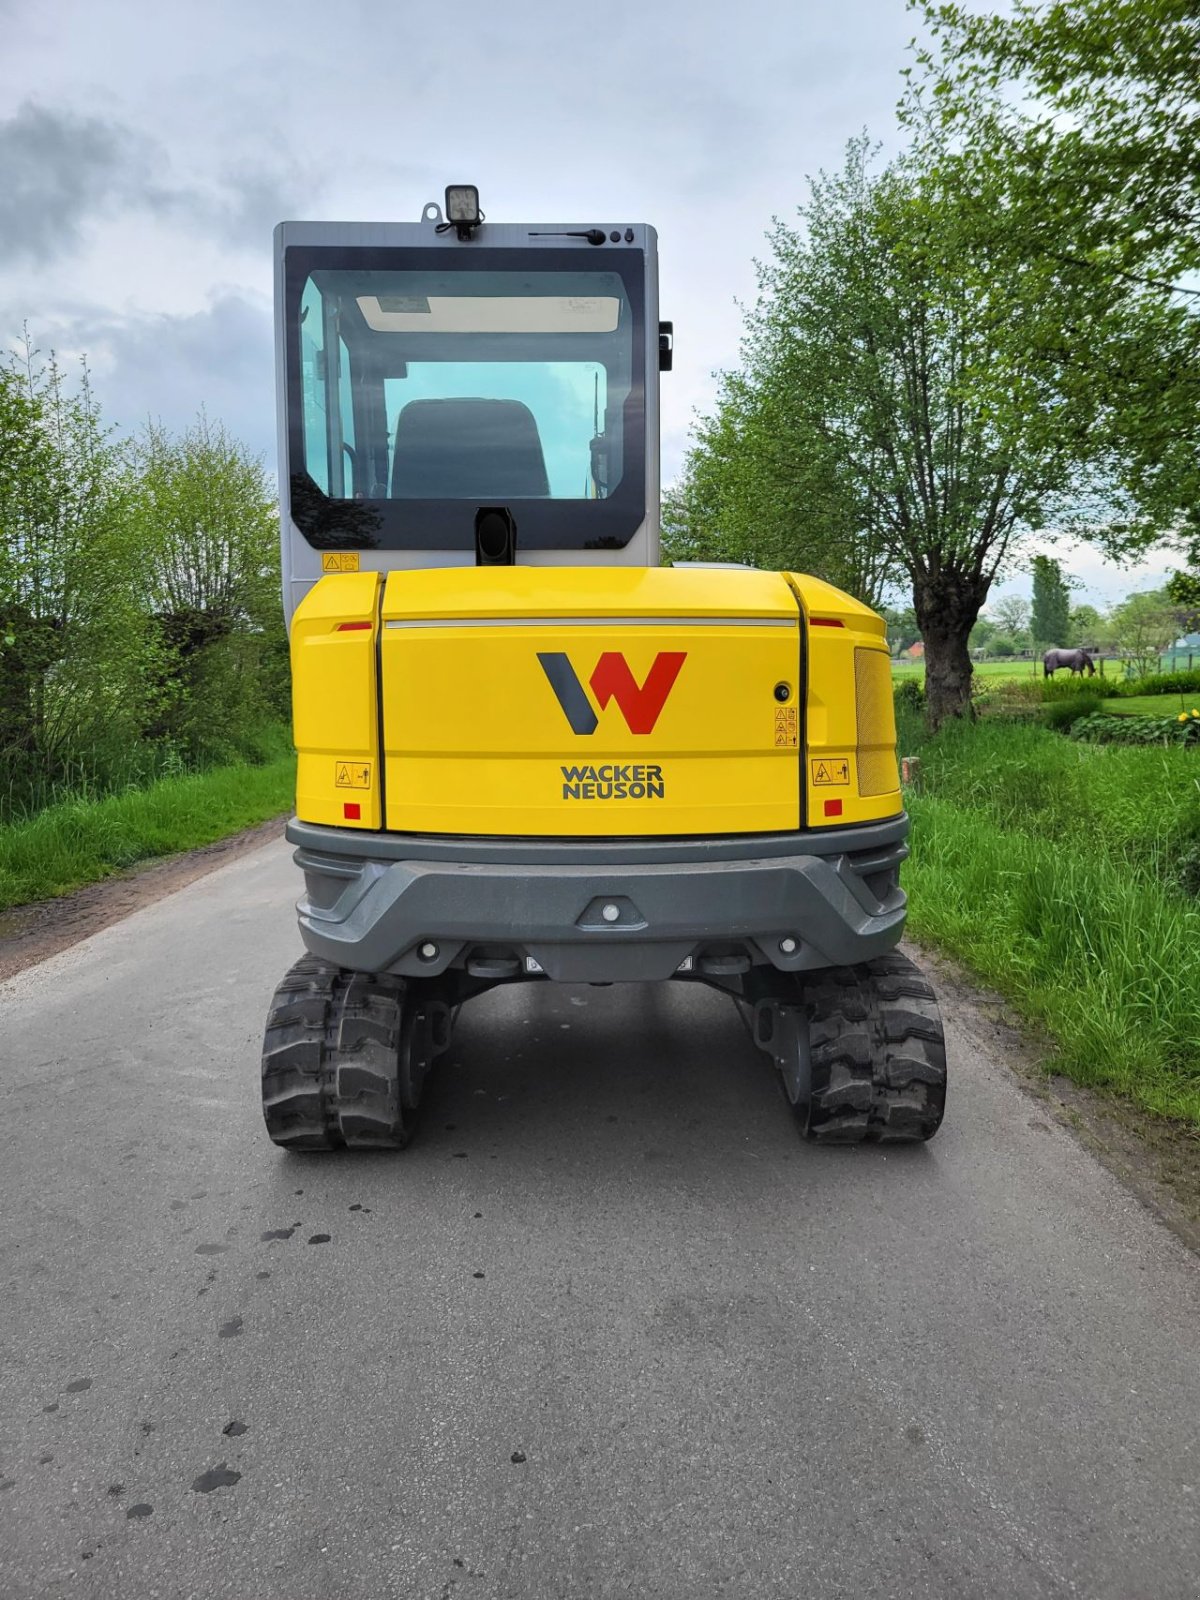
148, 147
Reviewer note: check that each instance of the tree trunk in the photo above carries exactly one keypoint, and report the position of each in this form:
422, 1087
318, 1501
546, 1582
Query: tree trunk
947, 605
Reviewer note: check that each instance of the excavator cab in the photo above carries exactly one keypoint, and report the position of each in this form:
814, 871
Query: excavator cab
526, 752
428, 379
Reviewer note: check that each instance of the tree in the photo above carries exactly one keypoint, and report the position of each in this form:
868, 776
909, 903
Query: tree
1183, 591
1073, 129
874, 352
209, 574
1143, 627
1084, 625
981, 635
902, 628
761, 485
1050, 619
72, 644
1109, 90
1011, 612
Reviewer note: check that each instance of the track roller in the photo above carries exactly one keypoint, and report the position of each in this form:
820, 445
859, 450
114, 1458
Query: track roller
345, 1057
860, 1051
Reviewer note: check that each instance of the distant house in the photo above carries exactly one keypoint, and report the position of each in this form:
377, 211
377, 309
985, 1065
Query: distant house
1183, 655
915, 652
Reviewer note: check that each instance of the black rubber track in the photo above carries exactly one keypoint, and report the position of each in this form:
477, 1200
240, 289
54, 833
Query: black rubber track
330, 1066
878, 1054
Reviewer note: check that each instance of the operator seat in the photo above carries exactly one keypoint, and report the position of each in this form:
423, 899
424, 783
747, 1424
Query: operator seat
468, 449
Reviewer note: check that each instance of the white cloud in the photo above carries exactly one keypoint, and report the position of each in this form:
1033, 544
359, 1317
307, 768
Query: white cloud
208, 123
1094, 579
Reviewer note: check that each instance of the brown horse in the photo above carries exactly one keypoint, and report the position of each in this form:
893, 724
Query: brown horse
1074, 660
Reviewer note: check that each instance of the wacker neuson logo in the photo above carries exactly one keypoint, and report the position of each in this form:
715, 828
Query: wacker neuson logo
633, 782
639, 703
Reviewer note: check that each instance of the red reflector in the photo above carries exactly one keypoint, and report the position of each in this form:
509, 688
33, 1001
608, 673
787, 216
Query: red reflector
826, 622
351, 627
833, 808
352, 811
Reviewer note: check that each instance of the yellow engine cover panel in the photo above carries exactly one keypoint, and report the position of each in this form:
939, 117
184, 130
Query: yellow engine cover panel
585, 701
850, 766
335, 716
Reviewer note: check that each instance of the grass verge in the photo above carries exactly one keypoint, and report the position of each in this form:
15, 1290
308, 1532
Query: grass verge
81, 841
1150, 705
1049, 875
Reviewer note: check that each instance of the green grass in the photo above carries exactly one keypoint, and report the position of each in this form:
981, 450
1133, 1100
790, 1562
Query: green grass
1059, 873
997, 671
1151, 705
76, 842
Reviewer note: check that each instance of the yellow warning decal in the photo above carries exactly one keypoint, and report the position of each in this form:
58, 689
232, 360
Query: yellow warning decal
353, 775
830, 772
339, 561
787, 727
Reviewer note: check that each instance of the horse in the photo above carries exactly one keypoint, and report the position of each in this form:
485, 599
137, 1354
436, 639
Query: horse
1077, 661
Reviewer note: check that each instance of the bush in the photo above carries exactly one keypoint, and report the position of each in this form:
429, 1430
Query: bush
1184, 683
1066, 686
909, 695
140, 628
1064, 710
1011, 697
1183, 728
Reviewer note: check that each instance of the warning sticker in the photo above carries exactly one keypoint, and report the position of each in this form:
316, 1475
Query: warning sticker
787, 727
830, 772
339, 561
353, 775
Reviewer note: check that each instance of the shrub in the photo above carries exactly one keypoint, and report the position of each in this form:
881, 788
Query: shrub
1063, 711
1183, 728
1011, 697
910, 695
1066, 686
1185, 683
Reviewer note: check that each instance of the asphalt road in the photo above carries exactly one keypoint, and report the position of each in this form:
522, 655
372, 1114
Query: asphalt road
607, 1328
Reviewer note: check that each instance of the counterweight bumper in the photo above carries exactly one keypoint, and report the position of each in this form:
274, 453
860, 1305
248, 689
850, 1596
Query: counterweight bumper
600, 911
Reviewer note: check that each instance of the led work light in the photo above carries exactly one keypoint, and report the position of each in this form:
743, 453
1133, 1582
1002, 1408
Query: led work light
462, 208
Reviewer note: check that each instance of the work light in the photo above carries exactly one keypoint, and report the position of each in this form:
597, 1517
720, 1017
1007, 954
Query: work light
462, 205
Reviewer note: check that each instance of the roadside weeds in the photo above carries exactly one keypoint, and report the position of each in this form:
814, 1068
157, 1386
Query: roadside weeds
32, 933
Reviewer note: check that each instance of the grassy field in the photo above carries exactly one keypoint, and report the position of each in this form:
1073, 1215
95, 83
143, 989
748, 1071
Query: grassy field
81, 841
1066, 876
1151, 705
1010, 671
999, 671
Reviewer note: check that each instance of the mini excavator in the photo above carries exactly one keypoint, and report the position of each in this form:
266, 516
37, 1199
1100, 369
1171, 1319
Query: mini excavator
527, 752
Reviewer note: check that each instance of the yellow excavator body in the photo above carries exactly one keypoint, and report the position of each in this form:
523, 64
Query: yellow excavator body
590, 702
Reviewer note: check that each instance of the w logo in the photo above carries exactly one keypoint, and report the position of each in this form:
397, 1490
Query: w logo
640, 704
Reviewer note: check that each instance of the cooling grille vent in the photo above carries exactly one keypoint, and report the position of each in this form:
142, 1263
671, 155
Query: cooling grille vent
876, 722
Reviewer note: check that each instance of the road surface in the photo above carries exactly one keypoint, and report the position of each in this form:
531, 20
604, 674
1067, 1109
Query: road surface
607, 1328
